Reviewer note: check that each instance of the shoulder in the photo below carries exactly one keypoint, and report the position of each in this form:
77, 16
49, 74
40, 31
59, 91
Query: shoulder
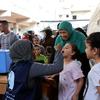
75, 65
94, 73
79, 35
12, 33
76, 62
96, 67
58, 39
1, 34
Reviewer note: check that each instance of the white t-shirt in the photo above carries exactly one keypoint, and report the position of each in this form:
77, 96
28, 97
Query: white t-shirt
93, 82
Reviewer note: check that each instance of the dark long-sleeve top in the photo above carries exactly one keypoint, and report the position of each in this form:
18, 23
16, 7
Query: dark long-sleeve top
38, 69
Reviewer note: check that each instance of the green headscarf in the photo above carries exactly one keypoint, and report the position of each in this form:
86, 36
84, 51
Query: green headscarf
21, 50
75, 37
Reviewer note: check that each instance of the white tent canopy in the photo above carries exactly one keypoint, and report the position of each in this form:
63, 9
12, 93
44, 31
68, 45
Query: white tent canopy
94, 24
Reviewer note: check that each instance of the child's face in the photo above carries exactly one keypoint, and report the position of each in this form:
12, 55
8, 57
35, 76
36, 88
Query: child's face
36, 41
67, 51
89, 51
37, 50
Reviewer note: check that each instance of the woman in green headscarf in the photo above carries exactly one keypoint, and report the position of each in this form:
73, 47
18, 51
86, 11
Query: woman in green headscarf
67, 34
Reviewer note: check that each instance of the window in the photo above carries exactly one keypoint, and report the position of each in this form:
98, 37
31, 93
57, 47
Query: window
74, 17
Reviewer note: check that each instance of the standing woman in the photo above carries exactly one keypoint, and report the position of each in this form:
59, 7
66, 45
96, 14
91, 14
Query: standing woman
67, 34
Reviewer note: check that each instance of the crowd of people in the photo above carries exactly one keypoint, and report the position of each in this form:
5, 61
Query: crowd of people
55, 68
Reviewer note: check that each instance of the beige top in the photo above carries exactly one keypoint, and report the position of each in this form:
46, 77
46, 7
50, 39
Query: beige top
3, 83
3, 79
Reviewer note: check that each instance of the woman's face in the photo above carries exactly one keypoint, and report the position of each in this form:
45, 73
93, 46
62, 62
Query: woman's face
64, 34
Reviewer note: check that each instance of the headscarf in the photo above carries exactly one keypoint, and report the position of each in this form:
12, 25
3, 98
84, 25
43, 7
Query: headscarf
21, 50
75, 37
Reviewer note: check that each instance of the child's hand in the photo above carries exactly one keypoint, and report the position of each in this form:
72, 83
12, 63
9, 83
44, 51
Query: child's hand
75, 97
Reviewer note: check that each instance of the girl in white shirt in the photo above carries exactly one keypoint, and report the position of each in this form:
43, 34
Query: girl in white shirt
92, 91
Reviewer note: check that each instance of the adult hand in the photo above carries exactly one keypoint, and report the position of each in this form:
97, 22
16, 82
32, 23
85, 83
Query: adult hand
58, 47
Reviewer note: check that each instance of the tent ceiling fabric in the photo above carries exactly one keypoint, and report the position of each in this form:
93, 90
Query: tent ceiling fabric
15, 18
26, 23
2, 11
8, 18
18, 16
13, 15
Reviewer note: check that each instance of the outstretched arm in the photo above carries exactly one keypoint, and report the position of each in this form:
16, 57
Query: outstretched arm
38, 69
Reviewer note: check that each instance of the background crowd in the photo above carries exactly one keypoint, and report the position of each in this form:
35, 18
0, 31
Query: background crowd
55, 67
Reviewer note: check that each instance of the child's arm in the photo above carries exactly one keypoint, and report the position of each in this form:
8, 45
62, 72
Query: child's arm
98, 89
79, 83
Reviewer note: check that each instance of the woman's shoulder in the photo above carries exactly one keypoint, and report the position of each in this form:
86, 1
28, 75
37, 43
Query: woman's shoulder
80, 34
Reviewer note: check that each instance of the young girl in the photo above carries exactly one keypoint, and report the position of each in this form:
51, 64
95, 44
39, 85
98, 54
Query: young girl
39, 57
37, 41
92, 91
71, 78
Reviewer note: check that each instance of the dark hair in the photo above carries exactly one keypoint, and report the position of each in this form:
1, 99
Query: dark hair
30, 32
4, 22
58, 25
37, 46
75, 49
48, 31
94, 40
81, 30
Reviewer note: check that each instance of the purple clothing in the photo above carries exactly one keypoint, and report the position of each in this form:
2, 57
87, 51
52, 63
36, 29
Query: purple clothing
67, 85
